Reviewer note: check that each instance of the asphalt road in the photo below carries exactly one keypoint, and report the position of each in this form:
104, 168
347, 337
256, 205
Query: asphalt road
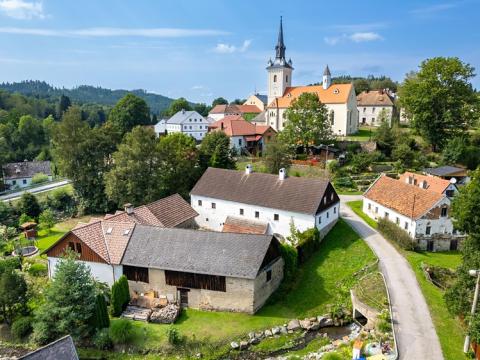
36, 190
416, 335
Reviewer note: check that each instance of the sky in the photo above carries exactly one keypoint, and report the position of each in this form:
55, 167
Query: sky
204, 49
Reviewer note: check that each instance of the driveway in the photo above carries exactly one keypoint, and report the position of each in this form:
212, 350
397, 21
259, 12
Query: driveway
35, 190
416, 335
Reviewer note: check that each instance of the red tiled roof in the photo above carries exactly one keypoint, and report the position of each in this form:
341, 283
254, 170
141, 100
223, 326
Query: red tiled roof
235, 125
243, 226
408, 200
235, 109
374, 98
431, 183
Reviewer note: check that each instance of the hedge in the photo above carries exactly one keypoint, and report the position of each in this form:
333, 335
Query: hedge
307, 243
101, 313
395, 234
120, 296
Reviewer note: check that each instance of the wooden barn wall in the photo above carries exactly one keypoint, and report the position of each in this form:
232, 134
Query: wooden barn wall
87, 253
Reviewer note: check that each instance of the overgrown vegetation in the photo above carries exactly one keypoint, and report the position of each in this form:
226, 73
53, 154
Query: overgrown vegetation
395, 234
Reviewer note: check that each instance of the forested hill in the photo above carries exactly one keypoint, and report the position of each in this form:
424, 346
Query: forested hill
86, 94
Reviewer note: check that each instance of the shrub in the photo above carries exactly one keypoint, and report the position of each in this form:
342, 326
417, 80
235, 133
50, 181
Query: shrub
121, 332
22, 327
38, 269
302, 156
384, 326
290, 258
120, 296
308, 243
332, 356
102, 340
396, 234
39, 178
344, 182
360, 162
101, 313
61, 200
10, 264
174, 337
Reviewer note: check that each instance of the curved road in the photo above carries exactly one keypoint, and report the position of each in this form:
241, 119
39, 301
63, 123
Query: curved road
34, 190
416, 335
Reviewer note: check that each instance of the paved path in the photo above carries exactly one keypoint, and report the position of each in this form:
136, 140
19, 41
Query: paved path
38, 189
416, 335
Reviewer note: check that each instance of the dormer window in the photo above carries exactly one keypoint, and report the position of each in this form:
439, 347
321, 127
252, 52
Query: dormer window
109, 230
336, 91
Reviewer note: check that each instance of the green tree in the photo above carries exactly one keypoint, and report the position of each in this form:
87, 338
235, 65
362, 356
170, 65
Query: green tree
63, 104
13, 295
277, 155
135, 173
440, 100
202, 109
129, 112
404, 154
178, 105
101, 312
308, 122
215, 151
385, 138
29, 205
120, 296
219, 101
69, 306
47, 219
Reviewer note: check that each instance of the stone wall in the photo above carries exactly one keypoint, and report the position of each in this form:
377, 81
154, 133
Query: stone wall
440, 242
263, 288
359, 308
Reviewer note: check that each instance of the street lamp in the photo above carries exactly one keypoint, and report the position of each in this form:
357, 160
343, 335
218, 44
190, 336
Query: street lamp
473, 273
326, 154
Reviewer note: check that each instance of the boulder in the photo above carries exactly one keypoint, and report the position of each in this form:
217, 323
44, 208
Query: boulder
268, 333
305, 324
234, 345
324, 321
254, 341
315, 326
293, 325
283, 329
243, 345
275, 330
259, 335
251, 335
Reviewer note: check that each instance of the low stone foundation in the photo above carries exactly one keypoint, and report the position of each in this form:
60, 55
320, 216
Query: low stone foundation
439, 243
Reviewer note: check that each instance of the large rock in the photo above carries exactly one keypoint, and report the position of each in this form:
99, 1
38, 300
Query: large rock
275, 330
234, 345
251, 335
315, 326
243, 345
293, 325
283, 329
305, 324
268, 333
259, 335
324, 321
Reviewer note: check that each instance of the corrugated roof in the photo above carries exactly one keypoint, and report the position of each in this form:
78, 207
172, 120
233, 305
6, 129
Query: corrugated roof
244, 226
374, 98
296, 194
335, 94
408, 200
26, 169
201, 252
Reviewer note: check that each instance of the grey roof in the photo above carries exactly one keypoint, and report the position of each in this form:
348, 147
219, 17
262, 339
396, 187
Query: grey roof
181, 116
296, 194
443, 170
260, 118
263, 98
327, 71
61, 349
195, 251
26, 169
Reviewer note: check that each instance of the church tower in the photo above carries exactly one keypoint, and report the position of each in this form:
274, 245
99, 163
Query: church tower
279, 70
327, 78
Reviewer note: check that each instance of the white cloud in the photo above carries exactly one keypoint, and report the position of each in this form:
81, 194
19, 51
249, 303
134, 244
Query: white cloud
348, 28
364, 36
114, 32
22, 10
428, 10
223, 48
198, 87
355, 37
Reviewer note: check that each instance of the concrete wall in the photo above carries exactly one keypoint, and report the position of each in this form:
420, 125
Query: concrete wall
238, 297
101, 272
369, 115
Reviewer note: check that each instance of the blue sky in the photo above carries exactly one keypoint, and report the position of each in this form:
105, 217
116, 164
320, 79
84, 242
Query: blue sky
210, 48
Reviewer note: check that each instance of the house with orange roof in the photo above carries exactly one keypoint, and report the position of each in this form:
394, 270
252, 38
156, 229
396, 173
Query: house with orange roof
248, 111
372, 105
244, 135
432, 183
422, 211
340, 99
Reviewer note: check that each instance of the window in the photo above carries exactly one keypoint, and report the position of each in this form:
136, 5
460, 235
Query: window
14, 182
239, 142
78, 248
190, 127
71, 245
199, 202
328, 214
369, 206
257, 214
276, 217
386, 215
24, 181
406, 225
450, 193
444, 212
397, 221
286, 78
320, 219
214, 206
241, 211
269, 275
332, 117
428, 230
274, 78
195, 120
373, 110
364, 109
373, 120
135, 273
334, 210
195, 281
376, 209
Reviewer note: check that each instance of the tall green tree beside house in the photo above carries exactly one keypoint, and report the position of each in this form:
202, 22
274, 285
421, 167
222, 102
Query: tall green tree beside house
440, 99
129, 112
29, 205
215, 151
308, 122
13, 295
178, 105
277, 155
135, 174
219, 101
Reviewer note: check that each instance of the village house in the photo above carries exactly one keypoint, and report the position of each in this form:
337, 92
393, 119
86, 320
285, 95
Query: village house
247, 111
101, 242
244, 136
258, 100
20, 174
423, 213
432, 183
374, 106
448, 172
189, 123
275, 200
340, 99
160, 127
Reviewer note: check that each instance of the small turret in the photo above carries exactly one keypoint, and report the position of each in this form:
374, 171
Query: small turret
327, 78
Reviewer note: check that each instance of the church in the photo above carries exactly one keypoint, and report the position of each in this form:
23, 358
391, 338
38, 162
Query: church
340, 99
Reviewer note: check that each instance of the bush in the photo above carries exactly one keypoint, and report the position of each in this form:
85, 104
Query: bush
344, 182
384, 326
361, 162
39, 178
308, 243
101, 313
121, 332
38, 269
302, 157
61, 200
10, 264
396, 234
290, 258
22, 327
120, 296
102, 340
174, 337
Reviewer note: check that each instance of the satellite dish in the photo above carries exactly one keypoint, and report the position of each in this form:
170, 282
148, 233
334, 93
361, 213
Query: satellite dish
453, 180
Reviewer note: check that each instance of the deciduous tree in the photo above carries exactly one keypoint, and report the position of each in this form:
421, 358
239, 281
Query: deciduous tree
129, 112
277, 155
178, 105
215, 151
13, 295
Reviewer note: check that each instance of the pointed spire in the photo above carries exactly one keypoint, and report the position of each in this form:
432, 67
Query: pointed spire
327, 71
280, 48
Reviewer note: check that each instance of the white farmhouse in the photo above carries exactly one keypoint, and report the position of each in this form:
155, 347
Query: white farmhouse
275, 200
20, 174
160, 127
340, 99
423, 213
374, 105
188, 122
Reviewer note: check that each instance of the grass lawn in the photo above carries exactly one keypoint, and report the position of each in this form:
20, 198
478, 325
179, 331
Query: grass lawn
371, 291
365, 133
449, 329
45, 238
43, 195
320, 281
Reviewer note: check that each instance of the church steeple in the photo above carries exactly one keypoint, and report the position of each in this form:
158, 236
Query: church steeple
280, 48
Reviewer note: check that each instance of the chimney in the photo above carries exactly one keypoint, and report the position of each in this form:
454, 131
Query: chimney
248, 169
282, 174
128, 208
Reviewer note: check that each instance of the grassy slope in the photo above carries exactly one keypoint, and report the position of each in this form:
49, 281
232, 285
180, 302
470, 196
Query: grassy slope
46, 238
449, 329
342, 254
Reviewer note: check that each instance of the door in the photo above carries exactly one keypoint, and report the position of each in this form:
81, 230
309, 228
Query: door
430, 245
183, 297
453, 245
